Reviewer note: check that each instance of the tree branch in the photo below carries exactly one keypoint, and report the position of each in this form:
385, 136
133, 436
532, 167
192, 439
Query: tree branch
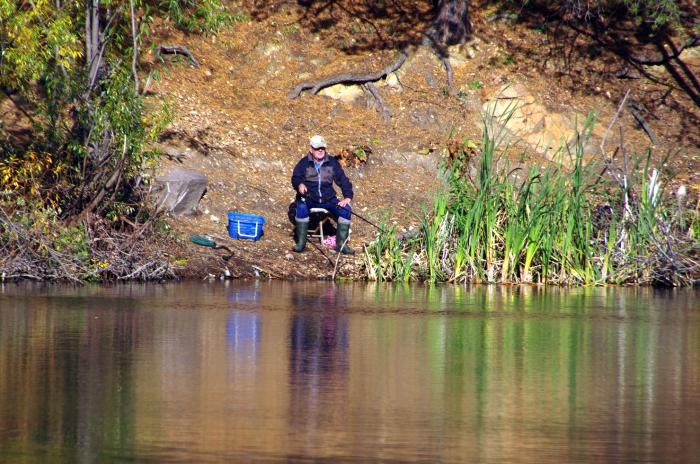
135, 59
692, 42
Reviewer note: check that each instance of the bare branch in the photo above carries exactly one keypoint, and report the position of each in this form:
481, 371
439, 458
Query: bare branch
617, 115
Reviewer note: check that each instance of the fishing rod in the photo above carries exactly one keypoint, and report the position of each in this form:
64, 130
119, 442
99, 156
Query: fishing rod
364, 219
303, 198
320, 251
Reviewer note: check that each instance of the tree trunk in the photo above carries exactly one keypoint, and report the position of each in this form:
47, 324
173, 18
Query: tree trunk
94, 47
451, 25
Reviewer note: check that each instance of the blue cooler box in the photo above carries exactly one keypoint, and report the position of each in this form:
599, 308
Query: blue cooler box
245, 226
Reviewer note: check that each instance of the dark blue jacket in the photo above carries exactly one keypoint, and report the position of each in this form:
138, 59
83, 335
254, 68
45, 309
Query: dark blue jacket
320, 183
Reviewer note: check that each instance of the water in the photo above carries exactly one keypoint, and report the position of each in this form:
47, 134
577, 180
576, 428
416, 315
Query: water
307, 372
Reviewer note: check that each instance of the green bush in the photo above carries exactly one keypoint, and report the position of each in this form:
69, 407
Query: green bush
71, 69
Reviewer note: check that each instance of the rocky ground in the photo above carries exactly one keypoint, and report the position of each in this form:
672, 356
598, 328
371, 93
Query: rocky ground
235, 123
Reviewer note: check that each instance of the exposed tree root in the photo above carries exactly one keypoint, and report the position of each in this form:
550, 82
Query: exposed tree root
381, 107
177, 50
367, 80
448, 69
350, 78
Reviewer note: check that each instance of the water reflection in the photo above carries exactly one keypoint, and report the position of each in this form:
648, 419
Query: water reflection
281, 371
318, 361
319, 338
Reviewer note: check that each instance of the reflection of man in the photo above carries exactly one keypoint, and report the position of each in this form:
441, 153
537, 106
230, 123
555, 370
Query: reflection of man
319, 338
313, 179
319, 346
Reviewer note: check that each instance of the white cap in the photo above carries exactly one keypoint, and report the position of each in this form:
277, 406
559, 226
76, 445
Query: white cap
317, 141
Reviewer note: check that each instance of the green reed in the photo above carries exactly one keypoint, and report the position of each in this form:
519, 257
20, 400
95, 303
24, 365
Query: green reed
554, 224
388, 258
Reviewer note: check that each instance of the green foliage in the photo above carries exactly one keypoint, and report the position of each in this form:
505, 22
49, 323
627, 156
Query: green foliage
73, 241
655, 12
291, 28
360, 154
544, 226
652, 14
204, 16
33, 39
88, 124
389, 258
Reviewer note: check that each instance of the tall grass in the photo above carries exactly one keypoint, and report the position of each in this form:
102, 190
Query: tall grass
557, 224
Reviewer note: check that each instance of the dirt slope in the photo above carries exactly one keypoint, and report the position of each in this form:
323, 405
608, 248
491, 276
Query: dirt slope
235, 123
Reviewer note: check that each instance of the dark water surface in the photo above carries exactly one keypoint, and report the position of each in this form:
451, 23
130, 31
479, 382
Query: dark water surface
307, 372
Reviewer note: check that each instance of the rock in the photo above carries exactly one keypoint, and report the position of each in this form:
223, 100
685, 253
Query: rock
392, 81
180, 191
270, 48
519, 91
457, 57
430, 79
411, 160
425, 118
344, 93
518, 111
174, 153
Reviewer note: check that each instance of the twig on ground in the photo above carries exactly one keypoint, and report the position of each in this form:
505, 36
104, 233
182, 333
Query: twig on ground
321, 251
265, 271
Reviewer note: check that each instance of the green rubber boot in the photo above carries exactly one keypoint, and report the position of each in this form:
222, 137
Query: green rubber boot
341, 236
302, 230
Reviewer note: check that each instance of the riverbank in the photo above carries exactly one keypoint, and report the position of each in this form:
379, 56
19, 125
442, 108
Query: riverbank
232, 120
236, 124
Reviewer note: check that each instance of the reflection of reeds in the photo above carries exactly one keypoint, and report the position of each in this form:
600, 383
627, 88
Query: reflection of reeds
558, 224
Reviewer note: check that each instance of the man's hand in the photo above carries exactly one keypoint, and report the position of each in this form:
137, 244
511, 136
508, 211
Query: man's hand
302, 189
344, 202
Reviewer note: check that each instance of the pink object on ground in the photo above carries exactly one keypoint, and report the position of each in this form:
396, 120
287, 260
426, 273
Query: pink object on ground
329, 241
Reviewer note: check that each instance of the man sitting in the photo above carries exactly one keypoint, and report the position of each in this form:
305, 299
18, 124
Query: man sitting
313, 179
